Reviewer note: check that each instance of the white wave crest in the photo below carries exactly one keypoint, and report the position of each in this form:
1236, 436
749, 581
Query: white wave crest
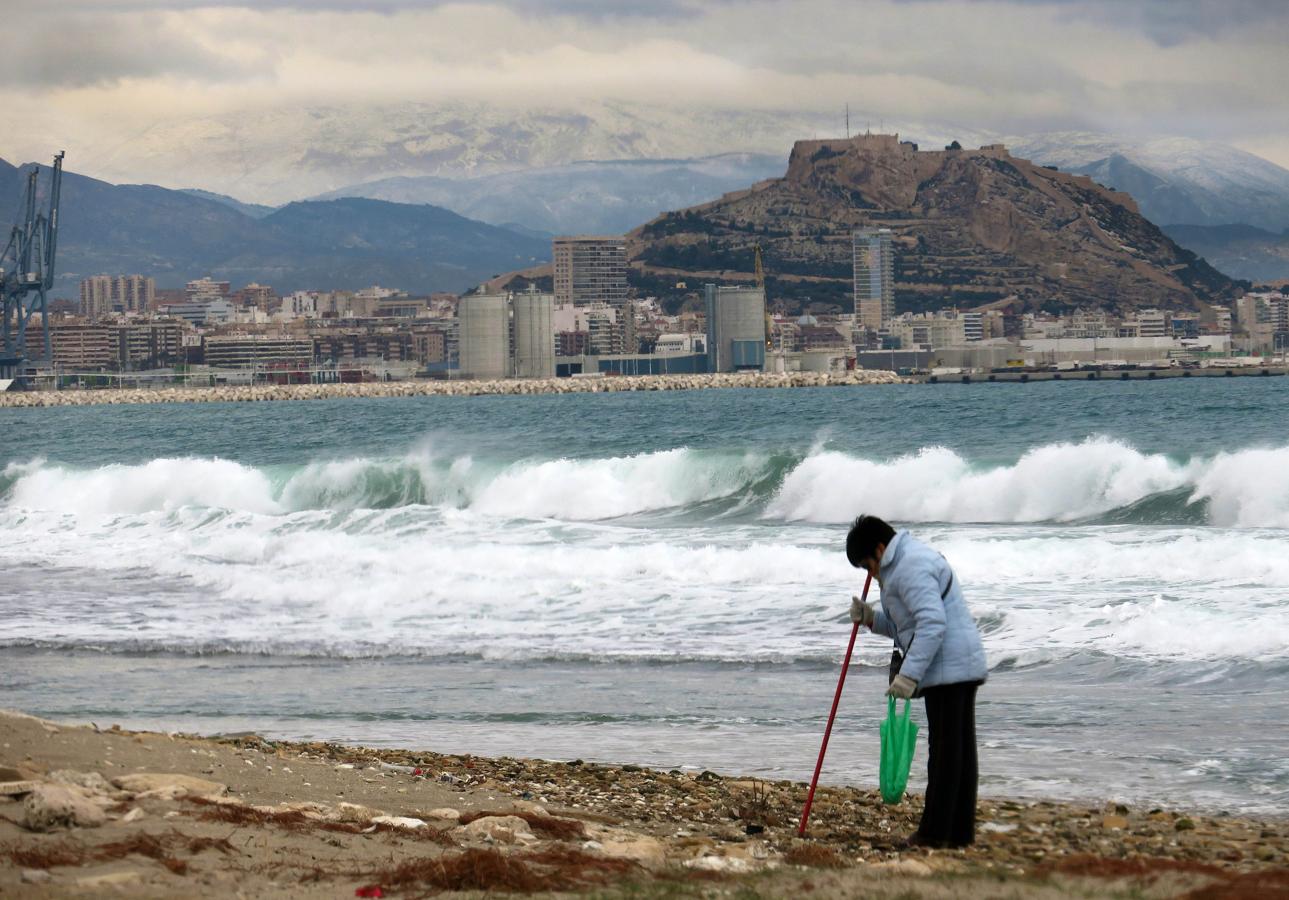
569, 489
607, 488
159, 485
1057, 482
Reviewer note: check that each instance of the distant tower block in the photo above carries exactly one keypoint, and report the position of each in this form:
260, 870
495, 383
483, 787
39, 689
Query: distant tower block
874, 260
534, 335
485, 336
589, 270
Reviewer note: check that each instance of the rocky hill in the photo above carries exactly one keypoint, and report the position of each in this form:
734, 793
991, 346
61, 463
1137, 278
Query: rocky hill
971, 227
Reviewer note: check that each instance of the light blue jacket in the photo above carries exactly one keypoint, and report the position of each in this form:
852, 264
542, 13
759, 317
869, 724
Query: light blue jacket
938, 636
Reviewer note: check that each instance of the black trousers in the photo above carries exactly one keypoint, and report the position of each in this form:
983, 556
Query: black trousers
949, 817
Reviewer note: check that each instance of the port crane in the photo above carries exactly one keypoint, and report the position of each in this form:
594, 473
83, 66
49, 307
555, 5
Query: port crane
27, 272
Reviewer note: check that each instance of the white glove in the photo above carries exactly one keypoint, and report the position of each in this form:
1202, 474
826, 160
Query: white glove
861, 613
902, 688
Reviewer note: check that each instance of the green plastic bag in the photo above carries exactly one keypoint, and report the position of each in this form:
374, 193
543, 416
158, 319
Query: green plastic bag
899, 737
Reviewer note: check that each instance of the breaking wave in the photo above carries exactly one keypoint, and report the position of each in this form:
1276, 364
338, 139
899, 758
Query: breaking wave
1098, 481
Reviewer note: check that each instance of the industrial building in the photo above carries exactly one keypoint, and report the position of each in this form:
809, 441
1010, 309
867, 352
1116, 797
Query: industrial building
534, 334
873, 257
485, 336
735, 328
590, 269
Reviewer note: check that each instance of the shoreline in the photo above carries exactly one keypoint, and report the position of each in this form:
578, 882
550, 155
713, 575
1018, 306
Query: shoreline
183, 815
426, 388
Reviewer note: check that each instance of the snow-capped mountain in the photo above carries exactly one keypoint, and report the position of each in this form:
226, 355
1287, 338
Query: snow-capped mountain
278, 155
1176, 180
582, 197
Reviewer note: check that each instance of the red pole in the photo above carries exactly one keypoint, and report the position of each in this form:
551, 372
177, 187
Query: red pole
810, 798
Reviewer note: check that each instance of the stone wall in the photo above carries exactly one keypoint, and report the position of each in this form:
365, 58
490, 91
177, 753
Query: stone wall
259, 393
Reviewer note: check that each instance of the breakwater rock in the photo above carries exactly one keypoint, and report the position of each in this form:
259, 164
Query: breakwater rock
612, 384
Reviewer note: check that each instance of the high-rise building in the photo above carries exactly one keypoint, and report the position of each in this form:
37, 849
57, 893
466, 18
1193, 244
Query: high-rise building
874, 262
102, 295
590, 270
96, 296
133, 293
735, 328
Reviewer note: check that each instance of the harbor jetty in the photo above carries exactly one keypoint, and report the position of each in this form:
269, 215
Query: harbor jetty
425, 388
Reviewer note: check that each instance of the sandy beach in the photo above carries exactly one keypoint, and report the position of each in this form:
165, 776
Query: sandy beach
93, 810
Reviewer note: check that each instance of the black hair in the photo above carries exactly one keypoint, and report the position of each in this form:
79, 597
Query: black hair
866, 532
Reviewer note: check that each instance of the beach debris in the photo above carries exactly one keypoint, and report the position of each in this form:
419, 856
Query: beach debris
17, 788
133, 815
731, 864
398, 821
1114, 823
559, 829
51, 806
370, 890
401, 770
91, 781
998, 827
353, 812
445, 814
627, 845
111, 880
501, 829
168, 786
35, 876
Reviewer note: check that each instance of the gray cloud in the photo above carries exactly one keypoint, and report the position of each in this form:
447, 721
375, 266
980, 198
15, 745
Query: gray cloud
593, 10
1166, 22
81, 51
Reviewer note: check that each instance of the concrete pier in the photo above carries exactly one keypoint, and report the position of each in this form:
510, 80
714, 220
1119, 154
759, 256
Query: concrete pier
1101, 375
508, 387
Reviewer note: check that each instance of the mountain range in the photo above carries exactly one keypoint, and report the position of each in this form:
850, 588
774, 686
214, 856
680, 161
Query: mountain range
349, 243
606, 167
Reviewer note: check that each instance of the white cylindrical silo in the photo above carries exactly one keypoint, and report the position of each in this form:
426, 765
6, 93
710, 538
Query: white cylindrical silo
534, 335
740, 316
485, 336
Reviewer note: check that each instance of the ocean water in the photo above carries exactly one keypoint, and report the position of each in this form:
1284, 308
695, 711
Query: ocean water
659, 578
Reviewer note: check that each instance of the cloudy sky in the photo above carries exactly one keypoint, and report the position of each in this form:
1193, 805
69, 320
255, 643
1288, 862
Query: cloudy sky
90, 72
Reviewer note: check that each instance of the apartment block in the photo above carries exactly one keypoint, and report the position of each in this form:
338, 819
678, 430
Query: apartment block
242, 351
590, 269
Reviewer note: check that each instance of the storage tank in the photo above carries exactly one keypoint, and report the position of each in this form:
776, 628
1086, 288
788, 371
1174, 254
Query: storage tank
735, 322
534, 335
485, 336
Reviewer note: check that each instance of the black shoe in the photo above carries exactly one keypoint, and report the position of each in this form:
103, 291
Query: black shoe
916, 841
